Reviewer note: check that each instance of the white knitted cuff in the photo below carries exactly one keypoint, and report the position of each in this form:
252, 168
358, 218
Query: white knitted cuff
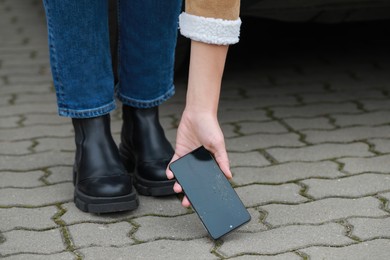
209, 30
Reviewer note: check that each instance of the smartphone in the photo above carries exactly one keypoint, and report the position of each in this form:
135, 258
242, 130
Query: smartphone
210, 193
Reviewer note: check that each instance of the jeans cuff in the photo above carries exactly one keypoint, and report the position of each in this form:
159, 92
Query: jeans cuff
87, 113
138, 103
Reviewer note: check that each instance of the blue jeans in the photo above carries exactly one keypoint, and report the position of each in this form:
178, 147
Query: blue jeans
80, 55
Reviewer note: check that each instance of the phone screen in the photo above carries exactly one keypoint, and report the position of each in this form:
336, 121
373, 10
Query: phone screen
210, 193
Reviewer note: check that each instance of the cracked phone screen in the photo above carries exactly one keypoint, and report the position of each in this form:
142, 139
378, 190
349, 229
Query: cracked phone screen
210, 193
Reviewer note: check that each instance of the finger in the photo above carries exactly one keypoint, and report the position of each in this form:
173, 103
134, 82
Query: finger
168, 172
185, 202
221, 156
177, 188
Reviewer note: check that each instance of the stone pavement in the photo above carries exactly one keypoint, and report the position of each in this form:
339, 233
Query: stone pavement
307, 133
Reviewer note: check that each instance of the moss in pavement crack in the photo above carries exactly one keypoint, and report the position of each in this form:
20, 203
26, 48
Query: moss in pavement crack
303, 255
217, 244
65, 231
348, 230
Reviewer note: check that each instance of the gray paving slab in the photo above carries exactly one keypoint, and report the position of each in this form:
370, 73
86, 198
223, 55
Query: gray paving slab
364, 119
261, 141
103, 235
314, 110
370, 228
371, 164
21, 179
320, 152
285, 256
375, 250
247, 159
381, 145
38, 196
347, 134
58, 256
321, 211
284, 239
309, 123
16, 148
255, 194
353, 186
170, 249
24, 241
27, 218
287, 172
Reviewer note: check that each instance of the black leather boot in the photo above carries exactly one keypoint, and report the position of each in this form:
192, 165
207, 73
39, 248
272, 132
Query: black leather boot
101, 181
145, 151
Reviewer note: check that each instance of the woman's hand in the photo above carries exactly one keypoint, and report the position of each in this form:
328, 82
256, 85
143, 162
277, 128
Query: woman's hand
197, 129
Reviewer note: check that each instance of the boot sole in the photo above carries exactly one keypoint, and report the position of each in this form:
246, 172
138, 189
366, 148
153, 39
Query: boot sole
105, 204
143, 186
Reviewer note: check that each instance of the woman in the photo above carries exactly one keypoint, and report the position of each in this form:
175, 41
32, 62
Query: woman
84, 82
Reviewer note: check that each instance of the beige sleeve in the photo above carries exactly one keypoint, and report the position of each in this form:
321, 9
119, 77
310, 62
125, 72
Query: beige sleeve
223, 9
211, 21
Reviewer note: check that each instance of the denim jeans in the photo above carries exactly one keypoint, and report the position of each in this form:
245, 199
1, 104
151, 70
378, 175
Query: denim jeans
80, 55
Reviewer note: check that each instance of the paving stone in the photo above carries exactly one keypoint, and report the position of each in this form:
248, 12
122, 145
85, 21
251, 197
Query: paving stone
22, 241
91, 234
35, 161
170, 249
309, 123
49, 98
314, 110
371, 164
229, 131
55, 144
171, 108
381, 145
60, 174
50, 119
59, 256
253, 195
369, 228
35, 132
353, 186
277, 174
9, 122
373, 105
36, 196
24, 89
33, 79
255, 224
38, 218
321, 211
346, 134
165, 206
15, 148
260, 141
375, 250
27, 109
272, 127
319, 152
367, 119
285, 256
234, 116
387, 196
284, 239
247, 159
180, 227
4, 101
256, 102
31, 70
21, 179
342, 96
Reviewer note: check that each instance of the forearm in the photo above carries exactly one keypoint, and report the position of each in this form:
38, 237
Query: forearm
207, 64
